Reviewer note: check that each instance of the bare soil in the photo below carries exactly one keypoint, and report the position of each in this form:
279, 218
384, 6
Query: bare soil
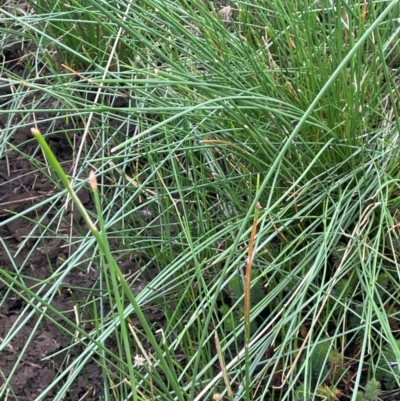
33, 359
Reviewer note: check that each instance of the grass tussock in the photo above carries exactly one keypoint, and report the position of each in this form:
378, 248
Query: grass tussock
246, 157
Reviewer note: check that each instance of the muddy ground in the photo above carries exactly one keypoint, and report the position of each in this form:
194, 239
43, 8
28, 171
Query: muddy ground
21, 188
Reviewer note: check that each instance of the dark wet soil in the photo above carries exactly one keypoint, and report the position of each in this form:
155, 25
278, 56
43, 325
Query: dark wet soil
34, 245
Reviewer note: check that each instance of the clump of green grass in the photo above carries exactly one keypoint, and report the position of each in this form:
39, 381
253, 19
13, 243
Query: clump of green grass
195, 118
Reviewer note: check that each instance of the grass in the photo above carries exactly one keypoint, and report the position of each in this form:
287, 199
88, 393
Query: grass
246, 158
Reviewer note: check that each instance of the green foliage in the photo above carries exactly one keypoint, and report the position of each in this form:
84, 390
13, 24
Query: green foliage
360, 396
327, 363
328, 393
355, 319
301, 394
383, 281
345, 287
387, 371
372, 390
236, 290
319, 360
236, 287
84, 44
335, 358
337, 370
257, 292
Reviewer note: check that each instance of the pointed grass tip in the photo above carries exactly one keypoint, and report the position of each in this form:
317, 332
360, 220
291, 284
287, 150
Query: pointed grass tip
35, 132
93, 180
